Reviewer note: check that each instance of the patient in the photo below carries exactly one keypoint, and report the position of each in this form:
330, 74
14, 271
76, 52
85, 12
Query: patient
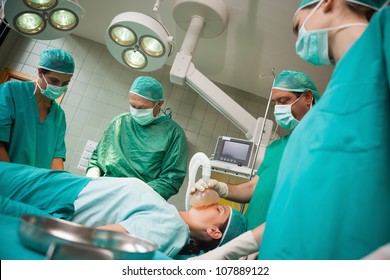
120, 204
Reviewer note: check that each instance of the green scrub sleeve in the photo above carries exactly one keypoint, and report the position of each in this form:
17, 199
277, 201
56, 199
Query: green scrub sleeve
7, 113
173, 168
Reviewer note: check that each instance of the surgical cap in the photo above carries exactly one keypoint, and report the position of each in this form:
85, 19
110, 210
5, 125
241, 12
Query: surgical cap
57, 60
374, 4
148, 88
295, 81
237, 225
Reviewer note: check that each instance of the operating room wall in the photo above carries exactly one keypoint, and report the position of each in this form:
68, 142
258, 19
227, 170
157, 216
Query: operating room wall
99, 91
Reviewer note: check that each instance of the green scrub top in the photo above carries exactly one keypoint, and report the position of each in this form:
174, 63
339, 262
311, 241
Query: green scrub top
267, 172
28, 140
332, 197
155, 153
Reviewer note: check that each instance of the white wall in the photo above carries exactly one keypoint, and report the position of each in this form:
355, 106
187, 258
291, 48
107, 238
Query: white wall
99, 91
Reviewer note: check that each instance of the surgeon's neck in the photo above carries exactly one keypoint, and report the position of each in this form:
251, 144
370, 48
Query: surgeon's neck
342, 40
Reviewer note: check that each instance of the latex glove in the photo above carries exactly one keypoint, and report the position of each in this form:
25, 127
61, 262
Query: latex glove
241, 246
220, 187
93, 172
383, 253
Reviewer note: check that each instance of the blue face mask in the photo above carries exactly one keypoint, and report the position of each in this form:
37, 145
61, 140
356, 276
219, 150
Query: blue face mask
312, 46
52, 92
142, 116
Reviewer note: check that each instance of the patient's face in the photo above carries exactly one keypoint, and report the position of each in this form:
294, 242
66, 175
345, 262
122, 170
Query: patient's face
211, 215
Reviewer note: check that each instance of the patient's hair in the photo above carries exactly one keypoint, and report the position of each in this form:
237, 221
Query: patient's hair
197, 247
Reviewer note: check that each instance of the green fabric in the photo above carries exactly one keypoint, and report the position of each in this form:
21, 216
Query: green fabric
257, 209
148, 88
57, 60
25, 189
156, 153
295, 81
28, 140
332, 197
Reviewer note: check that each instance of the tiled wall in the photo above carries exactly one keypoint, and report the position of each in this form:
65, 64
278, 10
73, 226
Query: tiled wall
99, 91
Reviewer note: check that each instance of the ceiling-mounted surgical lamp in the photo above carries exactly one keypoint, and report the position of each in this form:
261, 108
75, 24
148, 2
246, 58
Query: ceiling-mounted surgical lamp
43, 19
138, 41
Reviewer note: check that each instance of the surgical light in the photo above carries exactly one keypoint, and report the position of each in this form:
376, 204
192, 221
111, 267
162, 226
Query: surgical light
138, 41
43, 19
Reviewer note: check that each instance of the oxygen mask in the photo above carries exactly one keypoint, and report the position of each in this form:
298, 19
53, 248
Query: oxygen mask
204, 199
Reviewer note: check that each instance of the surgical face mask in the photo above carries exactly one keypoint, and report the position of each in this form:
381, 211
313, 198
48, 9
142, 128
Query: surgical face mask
312, 45
142, 116
52, 92
284, 117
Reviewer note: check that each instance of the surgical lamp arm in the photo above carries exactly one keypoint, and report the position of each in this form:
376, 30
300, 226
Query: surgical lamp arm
221, 101
183, 71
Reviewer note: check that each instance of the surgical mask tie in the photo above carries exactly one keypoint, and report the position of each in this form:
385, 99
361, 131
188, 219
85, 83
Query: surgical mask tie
143, 116
284, 117
52, 92
313, 46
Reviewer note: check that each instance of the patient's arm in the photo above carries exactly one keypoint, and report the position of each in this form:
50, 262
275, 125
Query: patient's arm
114, 227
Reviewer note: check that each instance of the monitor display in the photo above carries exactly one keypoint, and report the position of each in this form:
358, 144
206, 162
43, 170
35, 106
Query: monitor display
235, 150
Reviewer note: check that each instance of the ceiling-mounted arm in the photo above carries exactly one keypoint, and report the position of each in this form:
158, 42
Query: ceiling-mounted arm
183, 72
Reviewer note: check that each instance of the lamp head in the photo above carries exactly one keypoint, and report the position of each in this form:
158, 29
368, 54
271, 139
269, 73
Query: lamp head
43, 19
138, 41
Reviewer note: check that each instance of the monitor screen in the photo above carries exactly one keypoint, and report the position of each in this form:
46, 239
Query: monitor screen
235, 150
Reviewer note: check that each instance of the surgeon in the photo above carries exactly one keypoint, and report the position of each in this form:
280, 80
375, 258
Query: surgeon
120, 204
332, 197
293, 95
32, 124
144, 143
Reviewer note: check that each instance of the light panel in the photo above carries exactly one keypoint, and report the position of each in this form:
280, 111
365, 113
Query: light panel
30, 23
40, 4
138, 41
43, 19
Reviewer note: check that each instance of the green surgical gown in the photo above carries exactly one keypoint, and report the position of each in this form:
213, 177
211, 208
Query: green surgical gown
267, 172
28, 140
156, 153
332, 197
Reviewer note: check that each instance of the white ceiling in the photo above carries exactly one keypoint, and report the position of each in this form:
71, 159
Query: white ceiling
257, 38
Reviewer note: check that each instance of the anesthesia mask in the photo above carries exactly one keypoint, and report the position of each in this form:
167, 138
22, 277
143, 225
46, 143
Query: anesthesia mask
203, 199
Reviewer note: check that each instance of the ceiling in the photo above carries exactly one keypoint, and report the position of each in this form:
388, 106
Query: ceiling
257, 38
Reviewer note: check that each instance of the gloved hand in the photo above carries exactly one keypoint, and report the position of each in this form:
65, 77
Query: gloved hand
241, 246
93, 172
220, 187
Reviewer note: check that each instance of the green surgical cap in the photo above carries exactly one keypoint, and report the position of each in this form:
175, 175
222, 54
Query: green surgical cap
295, 81
57, 60
374, 4
148, 88
236, 226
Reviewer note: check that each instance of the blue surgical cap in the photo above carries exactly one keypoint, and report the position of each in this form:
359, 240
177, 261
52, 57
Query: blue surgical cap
57, 60
374, 4
237, 225
148, 88
295, 81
